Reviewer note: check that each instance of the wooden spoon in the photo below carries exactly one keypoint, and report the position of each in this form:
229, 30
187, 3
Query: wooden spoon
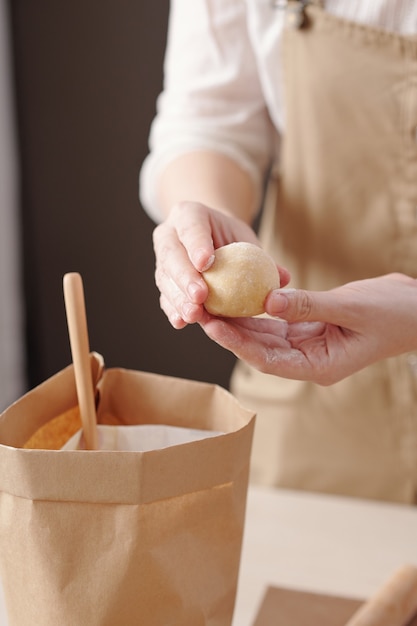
78, 335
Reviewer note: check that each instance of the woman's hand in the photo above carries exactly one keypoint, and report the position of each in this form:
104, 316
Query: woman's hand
184, 246
226, 201
325, 336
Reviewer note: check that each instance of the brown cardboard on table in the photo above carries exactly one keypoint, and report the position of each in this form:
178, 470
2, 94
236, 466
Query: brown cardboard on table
113, 537
290, 607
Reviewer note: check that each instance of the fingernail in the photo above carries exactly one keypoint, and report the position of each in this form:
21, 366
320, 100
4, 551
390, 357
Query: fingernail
199, 259
277, 303
209, 263
176, 320
194, 290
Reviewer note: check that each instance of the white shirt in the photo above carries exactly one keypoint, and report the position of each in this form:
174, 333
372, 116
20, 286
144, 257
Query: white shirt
222, 84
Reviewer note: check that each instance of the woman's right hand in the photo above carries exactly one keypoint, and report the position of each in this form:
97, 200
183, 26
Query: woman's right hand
325, 336
184, 246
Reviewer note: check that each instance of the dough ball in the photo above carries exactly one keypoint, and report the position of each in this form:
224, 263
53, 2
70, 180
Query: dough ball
239, 280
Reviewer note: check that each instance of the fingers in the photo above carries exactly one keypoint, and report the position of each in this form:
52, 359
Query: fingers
194, 231
182, 246
284, 276
359, 305
298, 305
292, 305
175, 274
182, 288
263, 349
176, 320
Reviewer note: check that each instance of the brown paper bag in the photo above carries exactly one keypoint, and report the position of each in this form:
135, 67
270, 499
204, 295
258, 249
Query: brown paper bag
113, 538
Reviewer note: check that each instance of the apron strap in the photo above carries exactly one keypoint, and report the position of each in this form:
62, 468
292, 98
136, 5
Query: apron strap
295, 16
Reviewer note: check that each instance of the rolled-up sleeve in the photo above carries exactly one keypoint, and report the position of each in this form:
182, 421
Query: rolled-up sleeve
212, 98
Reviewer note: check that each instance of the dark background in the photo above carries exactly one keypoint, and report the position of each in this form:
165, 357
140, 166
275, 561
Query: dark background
87, 75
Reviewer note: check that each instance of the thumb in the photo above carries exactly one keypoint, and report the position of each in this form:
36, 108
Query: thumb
299, 305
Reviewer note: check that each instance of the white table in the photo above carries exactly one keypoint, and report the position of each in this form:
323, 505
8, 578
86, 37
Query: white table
323, 544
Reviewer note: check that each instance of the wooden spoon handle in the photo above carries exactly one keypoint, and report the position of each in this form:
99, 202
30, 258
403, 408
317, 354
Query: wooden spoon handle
394, 604
78, 335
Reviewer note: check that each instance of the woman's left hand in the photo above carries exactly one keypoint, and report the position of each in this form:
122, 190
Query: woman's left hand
324, 336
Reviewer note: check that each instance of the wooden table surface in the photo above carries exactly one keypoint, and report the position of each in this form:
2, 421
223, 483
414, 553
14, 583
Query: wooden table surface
322, 544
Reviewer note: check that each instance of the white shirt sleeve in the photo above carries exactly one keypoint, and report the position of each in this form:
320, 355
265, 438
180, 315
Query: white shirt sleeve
212, 98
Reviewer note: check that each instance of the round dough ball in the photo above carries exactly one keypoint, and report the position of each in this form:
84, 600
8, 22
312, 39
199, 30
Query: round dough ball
239, 280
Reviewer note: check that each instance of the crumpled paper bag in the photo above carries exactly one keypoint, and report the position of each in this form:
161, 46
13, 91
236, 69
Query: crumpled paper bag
146, 537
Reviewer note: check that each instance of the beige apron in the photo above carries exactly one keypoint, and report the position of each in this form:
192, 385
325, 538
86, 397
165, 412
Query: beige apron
346, 209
